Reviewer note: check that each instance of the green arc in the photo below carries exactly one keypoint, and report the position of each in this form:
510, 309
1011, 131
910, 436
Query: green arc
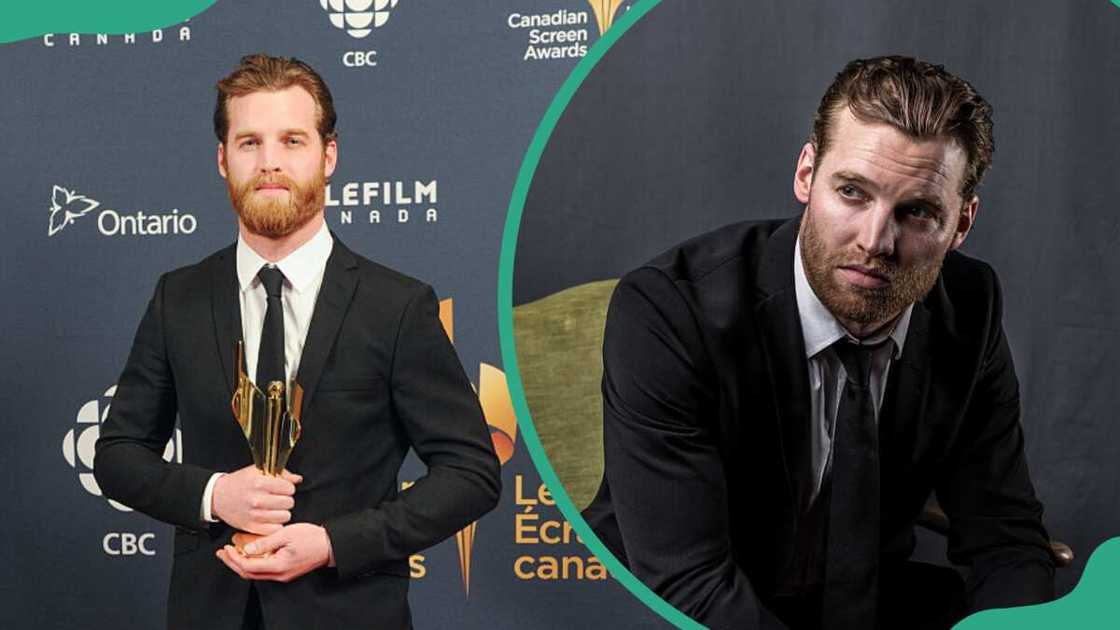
505, 315
24, 20
1092, 604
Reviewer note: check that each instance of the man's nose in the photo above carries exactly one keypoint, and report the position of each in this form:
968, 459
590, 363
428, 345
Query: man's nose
878, 230
268, 158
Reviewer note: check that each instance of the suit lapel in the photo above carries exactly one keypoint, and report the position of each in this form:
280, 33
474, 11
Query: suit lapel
226, 311
907, 388
784, 345
927, 385
339, 281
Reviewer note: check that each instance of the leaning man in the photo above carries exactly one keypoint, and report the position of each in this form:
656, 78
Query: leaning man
781, 398
377, 372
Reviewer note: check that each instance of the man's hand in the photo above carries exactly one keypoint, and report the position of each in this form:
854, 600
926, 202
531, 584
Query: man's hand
253, 502
293, 551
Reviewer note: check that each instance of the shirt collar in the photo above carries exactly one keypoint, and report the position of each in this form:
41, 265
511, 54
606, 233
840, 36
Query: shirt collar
820, 327
300, 267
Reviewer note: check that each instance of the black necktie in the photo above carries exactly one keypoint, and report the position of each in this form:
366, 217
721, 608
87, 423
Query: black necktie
851, 592
270, 358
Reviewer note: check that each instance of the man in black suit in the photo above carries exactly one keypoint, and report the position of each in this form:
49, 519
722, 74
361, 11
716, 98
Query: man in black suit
780, 398
379, 377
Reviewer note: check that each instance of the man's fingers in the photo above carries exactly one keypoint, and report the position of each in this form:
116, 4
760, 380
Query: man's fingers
285, 502
270, 516
291, 476
268, 544
265, 501
275, 485
264, 529
252, 568
227, 558
268, 566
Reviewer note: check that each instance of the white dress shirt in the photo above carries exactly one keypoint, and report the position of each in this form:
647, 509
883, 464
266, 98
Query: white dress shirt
303, 276
826, 373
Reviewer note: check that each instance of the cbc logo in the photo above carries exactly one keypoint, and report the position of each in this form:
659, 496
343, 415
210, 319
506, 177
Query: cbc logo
357, 16
128, 544
77, 447
359, 59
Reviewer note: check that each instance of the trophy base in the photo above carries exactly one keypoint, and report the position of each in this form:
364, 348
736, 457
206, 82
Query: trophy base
241, 539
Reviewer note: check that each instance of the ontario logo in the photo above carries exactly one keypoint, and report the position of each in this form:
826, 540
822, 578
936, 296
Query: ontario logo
563, 33
77, 445
67, 206
497, 407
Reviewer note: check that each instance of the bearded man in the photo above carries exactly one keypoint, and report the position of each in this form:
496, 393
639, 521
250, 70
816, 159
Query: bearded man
781, 398
378, 373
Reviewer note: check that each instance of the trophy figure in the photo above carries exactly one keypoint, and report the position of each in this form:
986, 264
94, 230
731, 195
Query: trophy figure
270, 422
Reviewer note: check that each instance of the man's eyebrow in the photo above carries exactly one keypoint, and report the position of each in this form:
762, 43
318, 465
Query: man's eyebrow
854, 178
926, 196
286, 132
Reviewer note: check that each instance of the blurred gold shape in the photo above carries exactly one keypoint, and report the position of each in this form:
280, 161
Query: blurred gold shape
604, 12
497, 408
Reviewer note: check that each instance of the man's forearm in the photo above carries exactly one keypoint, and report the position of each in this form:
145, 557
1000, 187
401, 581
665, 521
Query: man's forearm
1015, 576
435, 507
135, 476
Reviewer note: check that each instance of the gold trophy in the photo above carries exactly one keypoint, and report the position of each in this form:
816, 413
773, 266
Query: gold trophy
270, 422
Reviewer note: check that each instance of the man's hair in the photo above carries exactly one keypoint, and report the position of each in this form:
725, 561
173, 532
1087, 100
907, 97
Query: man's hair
919, 99
261, 72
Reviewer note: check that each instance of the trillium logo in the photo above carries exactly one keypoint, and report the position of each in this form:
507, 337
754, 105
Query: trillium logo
67, 205
77, 446
358, 17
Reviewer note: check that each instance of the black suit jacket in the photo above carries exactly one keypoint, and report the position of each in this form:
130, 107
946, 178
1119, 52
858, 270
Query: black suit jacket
379, 376
706, 429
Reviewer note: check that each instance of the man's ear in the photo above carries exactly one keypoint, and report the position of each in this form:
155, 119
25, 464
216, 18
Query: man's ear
966, 221
330, 158
222, 160
803, 175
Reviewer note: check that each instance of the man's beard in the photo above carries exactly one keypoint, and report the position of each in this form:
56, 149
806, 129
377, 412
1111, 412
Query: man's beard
275, 216
862, 305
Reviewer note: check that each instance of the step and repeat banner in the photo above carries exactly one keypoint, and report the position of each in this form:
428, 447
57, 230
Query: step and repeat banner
110, 178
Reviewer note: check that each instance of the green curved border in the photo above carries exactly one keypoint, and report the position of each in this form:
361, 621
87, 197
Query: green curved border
505, 317
29, 18
1092, 604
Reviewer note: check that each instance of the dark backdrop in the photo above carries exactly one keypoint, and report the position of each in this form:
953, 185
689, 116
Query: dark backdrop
695, 119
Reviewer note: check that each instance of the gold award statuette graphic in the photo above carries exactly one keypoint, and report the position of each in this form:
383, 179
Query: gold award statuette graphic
270, 422
493, 395
604, 12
